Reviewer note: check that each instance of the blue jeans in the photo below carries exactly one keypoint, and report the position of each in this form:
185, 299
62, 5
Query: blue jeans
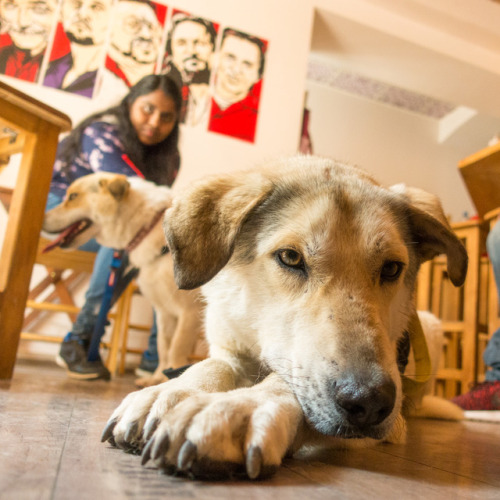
491, 354
83, 327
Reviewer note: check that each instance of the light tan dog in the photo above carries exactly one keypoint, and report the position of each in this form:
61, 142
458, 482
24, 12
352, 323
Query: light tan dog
126, 213
309, 271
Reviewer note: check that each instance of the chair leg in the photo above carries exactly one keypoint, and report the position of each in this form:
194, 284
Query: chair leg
111, 361
120, 331
129, 292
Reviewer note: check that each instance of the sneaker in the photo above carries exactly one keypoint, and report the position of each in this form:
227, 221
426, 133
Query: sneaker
485, 396
146, 368
73, 357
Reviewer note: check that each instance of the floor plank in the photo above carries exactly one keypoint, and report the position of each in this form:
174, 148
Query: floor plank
50, 449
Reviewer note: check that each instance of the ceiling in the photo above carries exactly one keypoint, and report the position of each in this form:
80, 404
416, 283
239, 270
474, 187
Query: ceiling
426, 55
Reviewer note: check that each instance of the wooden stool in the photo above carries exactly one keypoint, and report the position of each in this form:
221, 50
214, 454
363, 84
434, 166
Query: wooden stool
458, 310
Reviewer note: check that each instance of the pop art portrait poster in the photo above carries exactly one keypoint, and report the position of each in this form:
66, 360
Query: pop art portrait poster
79, 45
237, 85
188, 60
25, 30
135, 45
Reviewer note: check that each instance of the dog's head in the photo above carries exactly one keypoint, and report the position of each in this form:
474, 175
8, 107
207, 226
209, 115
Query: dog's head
104, 206
315, 268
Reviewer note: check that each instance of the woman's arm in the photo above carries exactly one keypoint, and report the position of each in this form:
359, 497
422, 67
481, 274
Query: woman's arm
105, 152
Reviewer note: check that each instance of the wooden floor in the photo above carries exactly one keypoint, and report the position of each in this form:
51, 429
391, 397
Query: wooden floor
49, 449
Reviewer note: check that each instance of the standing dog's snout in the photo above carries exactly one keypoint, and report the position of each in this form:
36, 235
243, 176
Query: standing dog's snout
365, 403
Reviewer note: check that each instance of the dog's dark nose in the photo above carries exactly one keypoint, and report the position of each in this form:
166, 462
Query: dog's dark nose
365, 404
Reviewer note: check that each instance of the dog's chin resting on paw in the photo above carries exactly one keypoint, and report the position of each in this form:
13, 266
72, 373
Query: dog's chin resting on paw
308, 269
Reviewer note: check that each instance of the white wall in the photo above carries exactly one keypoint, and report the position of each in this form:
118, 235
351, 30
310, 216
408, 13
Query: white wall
395, 145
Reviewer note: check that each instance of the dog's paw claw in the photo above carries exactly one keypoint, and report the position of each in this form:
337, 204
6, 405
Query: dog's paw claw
146, 452
131, 433
107, 433
187, 456
150, 427
254, 462
160, 447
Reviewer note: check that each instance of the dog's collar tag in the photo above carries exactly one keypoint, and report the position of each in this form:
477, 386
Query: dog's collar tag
421, 356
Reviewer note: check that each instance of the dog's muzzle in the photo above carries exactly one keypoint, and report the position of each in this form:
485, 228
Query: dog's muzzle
365, 405
353, 406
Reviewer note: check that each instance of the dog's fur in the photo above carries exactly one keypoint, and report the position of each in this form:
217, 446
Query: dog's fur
117, 208
309, 270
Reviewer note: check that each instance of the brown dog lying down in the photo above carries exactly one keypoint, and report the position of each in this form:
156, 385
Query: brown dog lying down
122, 212
309, 272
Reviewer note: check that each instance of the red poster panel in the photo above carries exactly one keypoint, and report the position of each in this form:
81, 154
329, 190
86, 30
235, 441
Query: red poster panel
237, 86
26, 26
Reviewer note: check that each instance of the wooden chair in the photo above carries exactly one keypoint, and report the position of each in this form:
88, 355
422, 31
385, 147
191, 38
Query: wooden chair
53, 294
41, 299
458, 309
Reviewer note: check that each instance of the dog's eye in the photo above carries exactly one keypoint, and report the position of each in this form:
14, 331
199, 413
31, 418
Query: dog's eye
72, 196
290, 258
391, 270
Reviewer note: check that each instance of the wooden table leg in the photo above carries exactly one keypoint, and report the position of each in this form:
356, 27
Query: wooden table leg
21, 238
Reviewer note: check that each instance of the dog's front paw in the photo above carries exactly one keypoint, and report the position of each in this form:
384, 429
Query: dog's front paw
138, 415
213, 436
136, 418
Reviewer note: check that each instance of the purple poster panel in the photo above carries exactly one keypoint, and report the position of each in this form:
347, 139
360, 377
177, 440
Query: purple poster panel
79, 46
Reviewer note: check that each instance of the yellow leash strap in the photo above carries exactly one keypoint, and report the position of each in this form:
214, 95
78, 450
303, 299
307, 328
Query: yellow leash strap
421, 355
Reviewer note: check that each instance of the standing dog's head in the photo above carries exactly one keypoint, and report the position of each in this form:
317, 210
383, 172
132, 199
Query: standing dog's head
315, 268
106, 206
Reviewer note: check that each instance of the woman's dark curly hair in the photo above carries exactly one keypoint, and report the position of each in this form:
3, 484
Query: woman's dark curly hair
159, 163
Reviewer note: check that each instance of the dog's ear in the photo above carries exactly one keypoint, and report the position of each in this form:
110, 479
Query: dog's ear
432, 232
118, 186
203, 222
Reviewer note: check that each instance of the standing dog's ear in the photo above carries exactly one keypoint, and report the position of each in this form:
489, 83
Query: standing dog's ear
118, 187
432, 233
203, 222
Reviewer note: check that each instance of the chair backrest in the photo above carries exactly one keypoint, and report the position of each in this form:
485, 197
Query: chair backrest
77, 260
481, 174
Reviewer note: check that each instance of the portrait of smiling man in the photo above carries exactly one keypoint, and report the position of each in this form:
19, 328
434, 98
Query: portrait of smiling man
238, 81
25, 30
85, 24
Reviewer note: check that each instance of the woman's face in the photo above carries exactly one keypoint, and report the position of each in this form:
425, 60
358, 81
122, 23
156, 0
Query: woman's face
153, 117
